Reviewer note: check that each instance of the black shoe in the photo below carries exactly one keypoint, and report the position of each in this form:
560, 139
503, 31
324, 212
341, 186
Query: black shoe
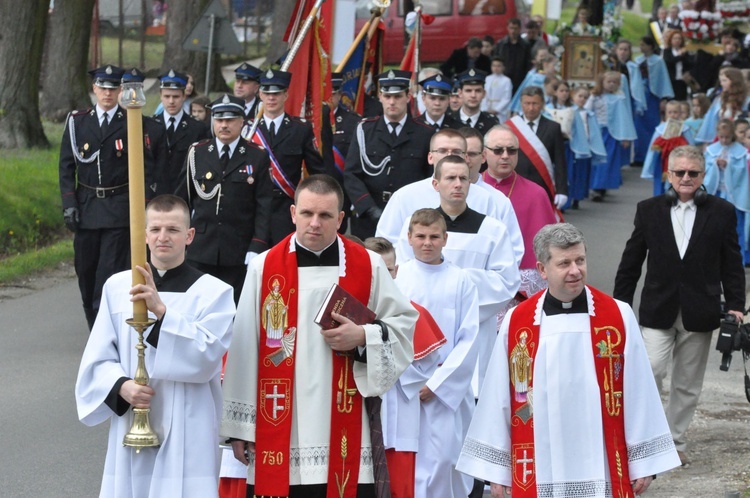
574, 205
597, 196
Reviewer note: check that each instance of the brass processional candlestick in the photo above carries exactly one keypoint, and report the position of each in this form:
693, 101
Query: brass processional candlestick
132, 98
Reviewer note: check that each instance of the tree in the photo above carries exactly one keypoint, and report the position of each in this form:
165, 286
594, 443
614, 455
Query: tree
180, 20
21, 46
65, 83
282, 12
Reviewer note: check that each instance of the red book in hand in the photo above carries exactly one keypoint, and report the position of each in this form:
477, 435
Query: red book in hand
340, 301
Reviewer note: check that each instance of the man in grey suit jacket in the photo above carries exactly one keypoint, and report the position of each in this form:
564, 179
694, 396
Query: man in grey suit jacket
690, 240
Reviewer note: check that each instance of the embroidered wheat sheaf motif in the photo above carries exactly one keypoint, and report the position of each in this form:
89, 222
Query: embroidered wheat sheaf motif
647, 449
482, 451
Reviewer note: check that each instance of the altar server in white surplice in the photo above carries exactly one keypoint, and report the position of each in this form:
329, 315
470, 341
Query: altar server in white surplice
478, 244
422, 194
194, 313
447, 401
571, 407
298, 409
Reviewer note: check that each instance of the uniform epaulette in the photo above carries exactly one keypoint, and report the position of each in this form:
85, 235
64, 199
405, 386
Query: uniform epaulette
371, 119
203, 142
296, 118
252, 144
423, 124
81, 112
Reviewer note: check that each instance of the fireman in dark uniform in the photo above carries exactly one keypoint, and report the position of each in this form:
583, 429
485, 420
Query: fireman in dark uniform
246, 85
472, 92
93, 171
436, 92
225, 183
344, 125
181, 129
387, 152
292, 141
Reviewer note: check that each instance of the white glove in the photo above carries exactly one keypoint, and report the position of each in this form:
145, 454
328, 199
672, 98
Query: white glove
250, 256
560, 200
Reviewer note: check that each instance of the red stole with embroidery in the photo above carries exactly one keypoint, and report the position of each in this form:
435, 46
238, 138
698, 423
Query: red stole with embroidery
276, 369
608, 345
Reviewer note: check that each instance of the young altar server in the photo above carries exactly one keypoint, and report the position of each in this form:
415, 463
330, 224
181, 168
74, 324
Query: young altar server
477, 243
612, 110
446, 400
727, 177
193, 328
655, 164
585, 148
571, 407
400, 410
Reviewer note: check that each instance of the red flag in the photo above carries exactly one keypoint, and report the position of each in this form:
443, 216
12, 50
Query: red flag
311, 72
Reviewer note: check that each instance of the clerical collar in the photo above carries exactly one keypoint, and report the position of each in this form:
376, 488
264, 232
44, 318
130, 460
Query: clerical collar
177, 279
553, 306
327, 257
467, 222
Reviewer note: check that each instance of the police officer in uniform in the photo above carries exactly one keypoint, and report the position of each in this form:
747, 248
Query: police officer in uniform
292, 141
246, 85
436, 92
225, 183
93, 170
472, 92
388, 152
181, 129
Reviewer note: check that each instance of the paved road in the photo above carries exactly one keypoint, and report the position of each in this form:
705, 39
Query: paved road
46, 452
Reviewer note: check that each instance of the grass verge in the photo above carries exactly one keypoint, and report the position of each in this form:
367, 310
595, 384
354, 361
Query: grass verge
20, 265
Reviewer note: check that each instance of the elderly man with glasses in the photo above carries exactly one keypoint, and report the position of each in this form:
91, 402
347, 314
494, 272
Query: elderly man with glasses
690, 240
530, 201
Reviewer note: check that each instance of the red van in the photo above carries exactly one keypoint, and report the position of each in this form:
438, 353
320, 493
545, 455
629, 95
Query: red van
455, 22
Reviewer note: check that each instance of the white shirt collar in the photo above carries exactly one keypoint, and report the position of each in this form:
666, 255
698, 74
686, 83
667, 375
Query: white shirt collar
465, 116
232, 146
177, 117
101, 112
535, 121
276, 121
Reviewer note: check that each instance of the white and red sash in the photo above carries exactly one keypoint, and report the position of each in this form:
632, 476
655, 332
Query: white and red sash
276, 371
608, 346
537, 153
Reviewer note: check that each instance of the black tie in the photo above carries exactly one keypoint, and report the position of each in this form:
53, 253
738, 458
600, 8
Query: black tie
468, 122
531, 125
105, 125
272, 130
171, 129
224, 158
393, 125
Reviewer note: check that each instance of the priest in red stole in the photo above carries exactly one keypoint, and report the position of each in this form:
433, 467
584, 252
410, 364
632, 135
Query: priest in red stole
294, 402
572, 405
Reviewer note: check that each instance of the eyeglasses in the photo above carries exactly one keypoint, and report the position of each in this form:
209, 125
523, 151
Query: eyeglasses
451, 152
679, 173
499, 151
473, 154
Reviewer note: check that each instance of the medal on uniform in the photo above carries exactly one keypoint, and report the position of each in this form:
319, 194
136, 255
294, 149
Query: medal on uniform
249, 171
209, 175
118, 146
148, 140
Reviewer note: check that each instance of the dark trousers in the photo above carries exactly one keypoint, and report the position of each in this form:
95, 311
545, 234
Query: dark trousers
317, 491
99, 254
232, 275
